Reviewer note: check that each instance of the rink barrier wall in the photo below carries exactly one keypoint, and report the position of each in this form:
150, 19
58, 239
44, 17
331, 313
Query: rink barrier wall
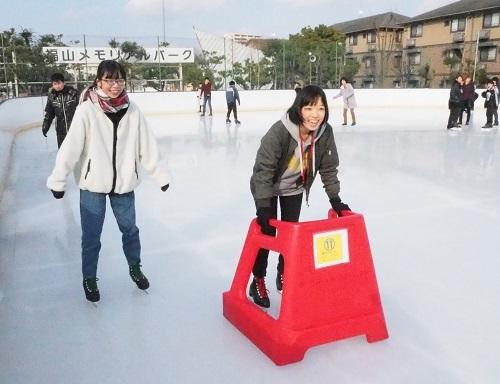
20, 114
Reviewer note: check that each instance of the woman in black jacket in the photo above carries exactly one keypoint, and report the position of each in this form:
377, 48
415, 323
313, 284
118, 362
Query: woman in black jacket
291, 153
455, 102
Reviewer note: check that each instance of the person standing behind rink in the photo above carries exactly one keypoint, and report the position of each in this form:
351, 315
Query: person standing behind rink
290, 154
455, 103
206, 92
108, 141
61, 105
347, 93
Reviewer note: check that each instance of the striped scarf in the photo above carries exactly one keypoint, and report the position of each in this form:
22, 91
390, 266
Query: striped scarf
106, 103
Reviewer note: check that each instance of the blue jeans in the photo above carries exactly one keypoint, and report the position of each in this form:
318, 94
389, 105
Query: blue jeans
205, 99
92, 212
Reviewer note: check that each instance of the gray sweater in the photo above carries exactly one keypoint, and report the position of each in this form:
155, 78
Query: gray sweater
277, 147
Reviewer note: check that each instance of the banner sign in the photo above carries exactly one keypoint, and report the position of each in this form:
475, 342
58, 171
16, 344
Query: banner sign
80, 55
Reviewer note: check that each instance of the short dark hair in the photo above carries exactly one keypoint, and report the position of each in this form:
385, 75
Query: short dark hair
309, 95
207, 78
489, 81
231, 82
495, 79
57, 77
344, 78
110, 69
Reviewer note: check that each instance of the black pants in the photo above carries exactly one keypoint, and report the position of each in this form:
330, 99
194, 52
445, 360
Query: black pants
290, 211
465, 108
490, 113
232, 107
455, 110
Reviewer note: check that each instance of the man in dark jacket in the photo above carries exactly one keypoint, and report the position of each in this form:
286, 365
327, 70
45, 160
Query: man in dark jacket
206, 92
455, 102
232, 96
62, 101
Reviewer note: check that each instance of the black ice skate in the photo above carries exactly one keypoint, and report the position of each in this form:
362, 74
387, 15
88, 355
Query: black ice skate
258, 292
228, 121
237, 122
138, 277
90, 289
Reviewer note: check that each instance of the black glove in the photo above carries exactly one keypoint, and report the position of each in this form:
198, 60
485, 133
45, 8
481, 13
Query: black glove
338, 206
44, 132
165, 187
263, 216
58, 194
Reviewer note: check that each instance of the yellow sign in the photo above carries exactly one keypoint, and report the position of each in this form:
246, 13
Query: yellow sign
331, 248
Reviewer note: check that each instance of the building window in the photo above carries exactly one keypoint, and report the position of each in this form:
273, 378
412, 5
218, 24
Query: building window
414, 58
458, 25
416, 30
353, 39
371, 37
491, 20
398, 36
397, 61
488, 54
368, 63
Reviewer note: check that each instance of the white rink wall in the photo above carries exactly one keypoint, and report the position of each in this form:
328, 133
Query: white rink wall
17, 115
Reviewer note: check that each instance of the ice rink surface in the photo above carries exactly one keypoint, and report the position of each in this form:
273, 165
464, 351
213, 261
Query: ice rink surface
431, 201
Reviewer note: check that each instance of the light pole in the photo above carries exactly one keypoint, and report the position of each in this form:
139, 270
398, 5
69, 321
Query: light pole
312, 59
337, 71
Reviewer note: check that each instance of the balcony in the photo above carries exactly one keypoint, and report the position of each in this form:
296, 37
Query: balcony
410, 43
458, 37
372, 47
484, 34
348, 50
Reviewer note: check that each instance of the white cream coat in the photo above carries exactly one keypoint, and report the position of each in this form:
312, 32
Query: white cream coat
88, 151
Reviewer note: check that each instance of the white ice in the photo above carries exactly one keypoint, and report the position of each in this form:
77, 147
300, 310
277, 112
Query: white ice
431, 201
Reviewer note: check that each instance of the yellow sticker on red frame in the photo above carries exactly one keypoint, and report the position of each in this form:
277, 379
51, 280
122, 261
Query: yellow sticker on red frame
330, 248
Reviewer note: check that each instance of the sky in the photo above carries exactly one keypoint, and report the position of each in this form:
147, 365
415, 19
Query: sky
140, 18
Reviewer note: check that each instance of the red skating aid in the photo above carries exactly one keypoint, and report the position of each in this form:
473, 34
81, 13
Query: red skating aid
330, 289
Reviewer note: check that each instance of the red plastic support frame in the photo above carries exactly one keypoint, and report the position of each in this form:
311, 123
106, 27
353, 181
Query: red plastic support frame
322, 300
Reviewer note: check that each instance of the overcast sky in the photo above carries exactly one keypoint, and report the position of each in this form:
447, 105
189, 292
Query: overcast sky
131, 18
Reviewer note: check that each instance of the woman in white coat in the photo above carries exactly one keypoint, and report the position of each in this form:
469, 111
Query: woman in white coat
347, 93
107, 144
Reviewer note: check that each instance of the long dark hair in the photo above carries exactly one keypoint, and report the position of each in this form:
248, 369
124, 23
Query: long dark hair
309, 95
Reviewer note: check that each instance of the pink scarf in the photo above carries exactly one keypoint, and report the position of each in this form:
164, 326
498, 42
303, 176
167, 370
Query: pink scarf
106, 103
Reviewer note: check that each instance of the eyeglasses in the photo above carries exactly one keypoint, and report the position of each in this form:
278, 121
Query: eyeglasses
112, 82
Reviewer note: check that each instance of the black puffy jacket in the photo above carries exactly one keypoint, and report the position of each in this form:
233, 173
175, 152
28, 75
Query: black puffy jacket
455, 93
62, 106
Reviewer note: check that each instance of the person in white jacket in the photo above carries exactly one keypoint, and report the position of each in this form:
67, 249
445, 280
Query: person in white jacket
108, 141
347, 94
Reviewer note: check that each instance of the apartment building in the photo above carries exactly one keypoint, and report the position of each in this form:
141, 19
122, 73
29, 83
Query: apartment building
376, 43
458, 37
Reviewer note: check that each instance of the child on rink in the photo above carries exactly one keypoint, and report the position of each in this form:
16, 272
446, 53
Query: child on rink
290, 154
490, 103
109, 139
